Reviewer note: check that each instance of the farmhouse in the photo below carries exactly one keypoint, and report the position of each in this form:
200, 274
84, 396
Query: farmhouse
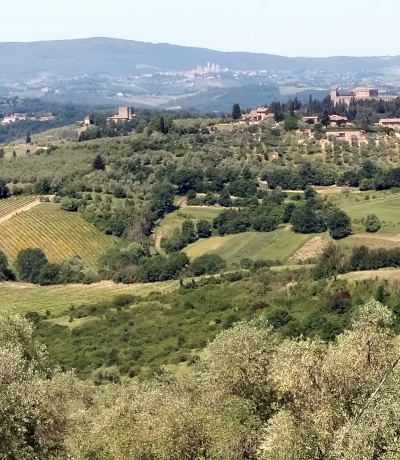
348, 135
390, 123
257, 115
13, 119
337, 120
363, 92
124, 114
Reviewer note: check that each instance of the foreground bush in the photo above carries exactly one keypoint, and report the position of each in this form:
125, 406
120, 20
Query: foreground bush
251, 396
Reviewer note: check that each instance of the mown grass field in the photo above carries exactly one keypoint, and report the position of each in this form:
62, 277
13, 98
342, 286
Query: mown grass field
58, 299
280, 245
59, 234
387, 209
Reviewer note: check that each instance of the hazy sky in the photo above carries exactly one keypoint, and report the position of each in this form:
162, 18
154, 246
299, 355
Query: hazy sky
286, 27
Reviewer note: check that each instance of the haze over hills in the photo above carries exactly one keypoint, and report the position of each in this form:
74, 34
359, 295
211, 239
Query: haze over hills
67, 58
114, 71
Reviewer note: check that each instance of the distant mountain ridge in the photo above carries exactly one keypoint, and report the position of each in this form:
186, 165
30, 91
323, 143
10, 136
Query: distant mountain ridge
108, 56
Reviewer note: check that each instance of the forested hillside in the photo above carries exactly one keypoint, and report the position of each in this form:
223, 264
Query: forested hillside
202, 288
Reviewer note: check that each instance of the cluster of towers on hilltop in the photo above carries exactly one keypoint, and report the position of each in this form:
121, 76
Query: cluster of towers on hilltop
210, 68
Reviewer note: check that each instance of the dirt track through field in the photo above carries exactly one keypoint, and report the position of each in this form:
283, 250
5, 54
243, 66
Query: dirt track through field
24, 208
382, 237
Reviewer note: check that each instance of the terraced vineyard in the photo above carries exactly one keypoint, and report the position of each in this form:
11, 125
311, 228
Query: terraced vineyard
59, 234
14, 204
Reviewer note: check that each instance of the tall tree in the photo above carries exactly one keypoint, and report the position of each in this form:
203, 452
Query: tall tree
339, 224
236, 112
29, 264
98, 163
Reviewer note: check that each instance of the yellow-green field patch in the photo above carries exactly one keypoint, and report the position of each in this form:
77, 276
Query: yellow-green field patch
58, 299
280, 245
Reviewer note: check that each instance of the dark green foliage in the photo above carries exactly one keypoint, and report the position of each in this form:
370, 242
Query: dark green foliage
5, 272
288, 211
49, 274
363, 258
300, 177
188, 232
339, 302
186, 235
279, 318
236, 112
29, 264
232, 221
187, 179
372, 223
225, 198
261, 217
290, 123
98, 163
4, 190
70, 204
208, 264
381, 294
203, 228
161, 268
305, 219
331, 262
162, 200
43, 186
191, 194
339, 224
325, 118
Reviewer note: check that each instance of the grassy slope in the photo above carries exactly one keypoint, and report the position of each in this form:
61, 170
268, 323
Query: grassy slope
58, 299
280, 245
59, 234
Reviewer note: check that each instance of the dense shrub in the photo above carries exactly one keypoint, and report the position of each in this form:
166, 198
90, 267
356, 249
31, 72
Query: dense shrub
6, 273
305, 219
29, 263
339, 224
70, 204
372, 223
208, 264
